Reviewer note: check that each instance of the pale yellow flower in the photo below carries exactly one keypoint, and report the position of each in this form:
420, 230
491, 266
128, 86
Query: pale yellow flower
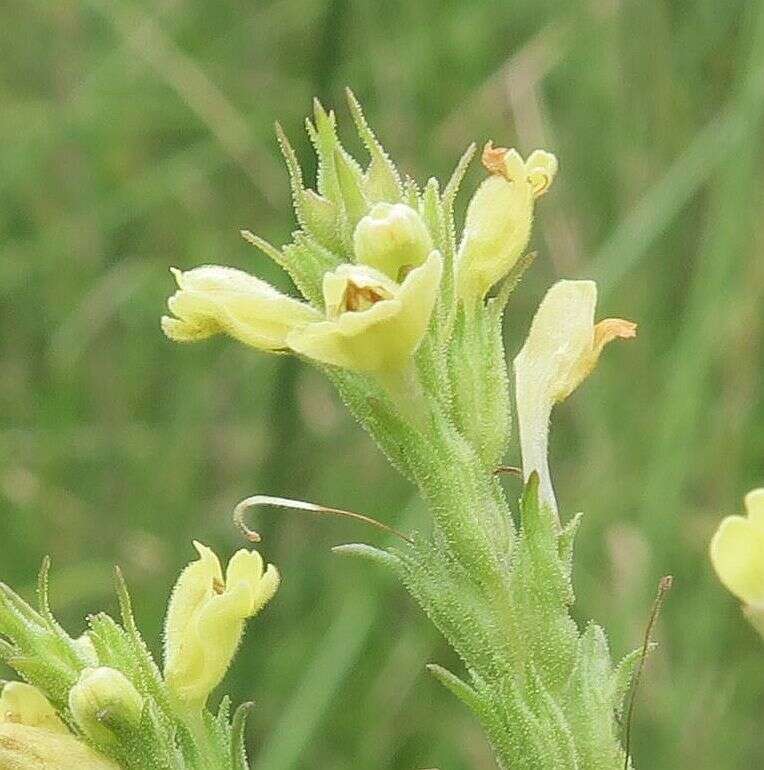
562, 348
205, 619
214, 300
499, 217
24, 704
374, 324
104, 696
34, 748
737, 552
392, 238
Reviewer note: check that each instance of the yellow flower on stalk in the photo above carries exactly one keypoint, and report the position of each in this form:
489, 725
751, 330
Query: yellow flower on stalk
21, 703
23, 748
213, 300
562, 348
205, 619
373, 324
737, 554
499, 217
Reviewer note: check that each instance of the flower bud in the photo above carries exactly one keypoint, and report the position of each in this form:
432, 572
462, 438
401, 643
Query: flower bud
374, 324
205, 619
23, 747
562, 348
24, 704
499, 217
103, 702
214, 300
737, 554
392, 238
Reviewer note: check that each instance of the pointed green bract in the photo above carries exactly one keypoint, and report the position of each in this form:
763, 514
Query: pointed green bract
350, 183
316, 214
382, 181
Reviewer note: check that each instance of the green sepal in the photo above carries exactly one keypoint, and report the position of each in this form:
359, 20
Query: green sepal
315, 213
63, 642
480, 381
144, 668
411, 193
381, 180
18, 621
498, 304
566, 541
374, 410
305, 260
457, 687
38, 649
589, 700
449, 199
457, 177
456, 606
541, 589
432, 211
354, 203
47, 674
623, 678
152, 744
323, 135
238, 754
375, 555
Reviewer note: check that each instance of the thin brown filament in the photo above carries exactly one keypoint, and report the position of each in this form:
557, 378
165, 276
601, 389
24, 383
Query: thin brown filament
300, 505
664, 585
511, 469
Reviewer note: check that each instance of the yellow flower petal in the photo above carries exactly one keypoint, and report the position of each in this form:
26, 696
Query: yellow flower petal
205, 619
561, 349
213, 300
754, 505
24, 704
375, 324
737, 554
499, 217
24, 748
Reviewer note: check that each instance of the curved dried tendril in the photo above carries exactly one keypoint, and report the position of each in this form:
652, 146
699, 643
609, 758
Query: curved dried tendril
301, 505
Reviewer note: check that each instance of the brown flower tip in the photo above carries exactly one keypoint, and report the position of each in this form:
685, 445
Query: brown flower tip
611, 329
493, 158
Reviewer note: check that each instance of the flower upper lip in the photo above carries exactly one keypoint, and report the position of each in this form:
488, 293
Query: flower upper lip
380, 337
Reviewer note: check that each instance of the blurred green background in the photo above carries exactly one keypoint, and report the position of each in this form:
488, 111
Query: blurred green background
136, 135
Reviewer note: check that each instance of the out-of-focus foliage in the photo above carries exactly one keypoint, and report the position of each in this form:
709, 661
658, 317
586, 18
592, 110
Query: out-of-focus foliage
136, 135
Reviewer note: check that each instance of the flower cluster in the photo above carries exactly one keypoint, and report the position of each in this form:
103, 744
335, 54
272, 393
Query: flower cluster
377, 272
371, 268
100, 703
